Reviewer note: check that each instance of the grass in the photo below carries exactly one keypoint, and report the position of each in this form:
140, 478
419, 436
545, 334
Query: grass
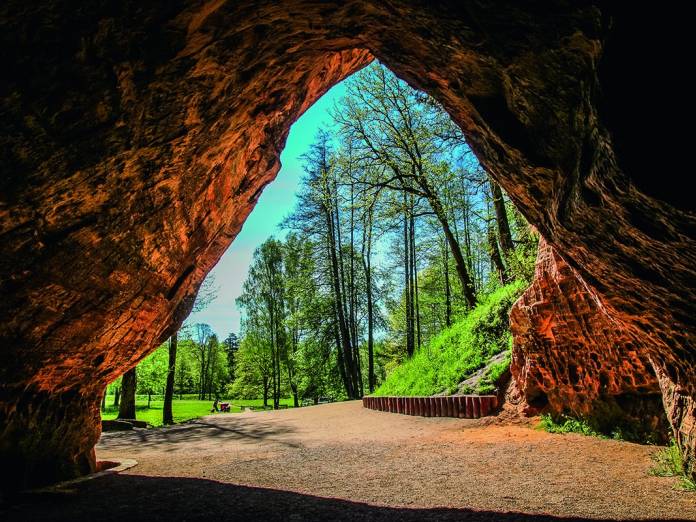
567, 425
183, 410
669, 463
606, 423
458, 351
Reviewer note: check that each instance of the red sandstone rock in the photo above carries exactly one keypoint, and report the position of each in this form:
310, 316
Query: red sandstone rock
571, 356
137, 138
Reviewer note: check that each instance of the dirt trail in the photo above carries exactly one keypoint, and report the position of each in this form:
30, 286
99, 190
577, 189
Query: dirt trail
341, 461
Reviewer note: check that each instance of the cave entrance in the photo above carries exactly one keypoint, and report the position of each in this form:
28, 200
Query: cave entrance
138, 146
380, 233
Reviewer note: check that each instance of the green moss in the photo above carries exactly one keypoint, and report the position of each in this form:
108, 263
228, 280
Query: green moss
458, 351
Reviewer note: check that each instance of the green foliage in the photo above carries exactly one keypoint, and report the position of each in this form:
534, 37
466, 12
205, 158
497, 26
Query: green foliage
458, 351
522, 260
608, 421
152, 371
668, 462
184, 410
253, 368
565, 424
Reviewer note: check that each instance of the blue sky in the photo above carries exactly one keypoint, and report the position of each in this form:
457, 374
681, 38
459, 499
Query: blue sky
276, 202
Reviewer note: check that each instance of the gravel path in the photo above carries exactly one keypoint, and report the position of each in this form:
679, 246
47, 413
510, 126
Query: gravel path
343, 462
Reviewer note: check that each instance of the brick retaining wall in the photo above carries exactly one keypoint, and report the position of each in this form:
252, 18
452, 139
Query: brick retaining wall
461, 406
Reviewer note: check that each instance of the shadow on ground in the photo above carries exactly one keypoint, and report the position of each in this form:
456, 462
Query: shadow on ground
221, 430
135, 497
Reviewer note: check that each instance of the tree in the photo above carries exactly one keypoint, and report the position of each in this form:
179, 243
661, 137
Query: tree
319, 214
206, 294
504, 233
202, 350
395, 127
126, 409
263, 301
152, 372
297, 272
167, 413
231, 343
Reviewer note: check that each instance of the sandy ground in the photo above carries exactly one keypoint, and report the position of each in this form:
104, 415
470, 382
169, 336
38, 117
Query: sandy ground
343, 462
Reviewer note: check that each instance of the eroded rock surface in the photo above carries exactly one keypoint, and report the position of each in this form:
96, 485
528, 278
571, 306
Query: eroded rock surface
571, 357
137, 137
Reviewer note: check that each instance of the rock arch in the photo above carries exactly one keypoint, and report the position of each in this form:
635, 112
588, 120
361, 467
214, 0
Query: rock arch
136, 138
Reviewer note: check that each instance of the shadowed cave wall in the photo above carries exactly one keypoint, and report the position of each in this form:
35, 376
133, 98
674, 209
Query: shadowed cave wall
136, 138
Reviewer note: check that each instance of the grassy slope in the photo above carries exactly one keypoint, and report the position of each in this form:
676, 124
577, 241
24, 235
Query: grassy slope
458, 351
183, 410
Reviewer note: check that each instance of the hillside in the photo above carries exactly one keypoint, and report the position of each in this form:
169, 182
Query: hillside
460, 351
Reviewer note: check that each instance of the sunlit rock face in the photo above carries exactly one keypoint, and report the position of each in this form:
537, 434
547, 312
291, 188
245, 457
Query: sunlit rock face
136, 139
571, 357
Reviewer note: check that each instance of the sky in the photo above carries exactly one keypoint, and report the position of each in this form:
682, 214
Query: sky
275, 203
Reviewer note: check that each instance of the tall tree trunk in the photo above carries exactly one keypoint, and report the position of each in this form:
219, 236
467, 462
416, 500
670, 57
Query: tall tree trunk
344, 300
167, 414
265, 392
276, 371
407, 280
201, 377
353, 297
291, 368
126, 409
103, 403
295, 397
212, 392
339, 308
501, 217
206, 375
448, 291
274, 355
459, 262
340, 360
343, 364
467, 236
117, 396
468, 288
414, 269
496, 260
370, 330
367, 266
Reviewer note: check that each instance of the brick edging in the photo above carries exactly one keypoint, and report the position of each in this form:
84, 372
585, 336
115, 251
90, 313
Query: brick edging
460, 406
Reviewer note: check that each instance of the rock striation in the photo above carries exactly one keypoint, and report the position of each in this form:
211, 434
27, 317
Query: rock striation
136, 137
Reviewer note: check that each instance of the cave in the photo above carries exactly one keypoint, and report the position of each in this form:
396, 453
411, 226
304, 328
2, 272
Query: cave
136, 138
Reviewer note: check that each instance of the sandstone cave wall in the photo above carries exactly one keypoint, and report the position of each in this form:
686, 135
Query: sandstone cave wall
136, 138
571, 357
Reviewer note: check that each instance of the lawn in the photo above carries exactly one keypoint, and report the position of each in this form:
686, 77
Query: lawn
183, 410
